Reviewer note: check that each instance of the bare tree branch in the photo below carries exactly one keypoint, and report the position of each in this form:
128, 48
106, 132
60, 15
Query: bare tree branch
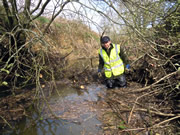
8, 12
56, 14
42, 10
36, 8
14, 6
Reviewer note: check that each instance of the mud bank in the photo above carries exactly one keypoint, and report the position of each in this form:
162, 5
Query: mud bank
13, 107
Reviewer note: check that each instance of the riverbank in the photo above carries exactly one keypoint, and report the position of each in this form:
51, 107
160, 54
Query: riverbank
13, 107
136, 109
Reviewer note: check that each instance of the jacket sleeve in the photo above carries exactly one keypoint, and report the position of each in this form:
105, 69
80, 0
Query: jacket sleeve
101, 63
123, 56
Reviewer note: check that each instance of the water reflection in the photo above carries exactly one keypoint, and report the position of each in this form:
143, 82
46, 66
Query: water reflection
74, 109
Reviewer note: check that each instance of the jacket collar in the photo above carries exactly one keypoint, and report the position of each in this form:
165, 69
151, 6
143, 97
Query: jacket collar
109, 48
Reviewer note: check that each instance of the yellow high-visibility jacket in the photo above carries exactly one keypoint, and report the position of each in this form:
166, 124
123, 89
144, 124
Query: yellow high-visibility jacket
113, 64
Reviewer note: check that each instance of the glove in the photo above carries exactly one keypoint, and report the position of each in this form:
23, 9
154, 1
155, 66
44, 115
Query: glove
127, 66
99, 74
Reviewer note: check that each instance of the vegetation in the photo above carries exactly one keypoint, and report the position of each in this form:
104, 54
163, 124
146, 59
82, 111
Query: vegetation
19, 66
152, 39
36, 49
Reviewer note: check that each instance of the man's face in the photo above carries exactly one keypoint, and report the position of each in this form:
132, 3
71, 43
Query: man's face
107, 45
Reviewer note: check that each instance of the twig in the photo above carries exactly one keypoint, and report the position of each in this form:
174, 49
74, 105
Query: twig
154, 112
150, 86
6, 122
130, 115
133, 129
138, 59
80, 72
118, 101
66, 55
150, 111
165, 121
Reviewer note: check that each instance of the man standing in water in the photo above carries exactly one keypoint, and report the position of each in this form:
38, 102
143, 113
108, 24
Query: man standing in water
110, 60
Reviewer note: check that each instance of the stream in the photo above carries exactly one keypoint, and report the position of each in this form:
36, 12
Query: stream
75, 110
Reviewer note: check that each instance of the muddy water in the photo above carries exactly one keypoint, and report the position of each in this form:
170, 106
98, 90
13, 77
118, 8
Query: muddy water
75, 111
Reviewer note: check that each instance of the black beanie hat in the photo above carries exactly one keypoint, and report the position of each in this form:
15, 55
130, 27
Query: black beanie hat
104, 39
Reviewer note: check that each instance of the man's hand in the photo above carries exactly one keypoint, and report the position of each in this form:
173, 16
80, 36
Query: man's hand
127, 69
99, 74
128, 66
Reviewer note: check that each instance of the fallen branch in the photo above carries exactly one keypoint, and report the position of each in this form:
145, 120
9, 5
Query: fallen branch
133, 129
150, 111
6, 122
165, 121
118, 101
154, 112
130, 115
151, 86
136, 102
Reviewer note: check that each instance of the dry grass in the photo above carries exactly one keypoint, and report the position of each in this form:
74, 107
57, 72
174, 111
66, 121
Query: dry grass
70, 46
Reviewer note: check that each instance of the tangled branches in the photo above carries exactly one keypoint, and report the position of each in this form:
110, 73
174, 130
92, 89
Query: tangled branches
19, 64
152, 107
145, 110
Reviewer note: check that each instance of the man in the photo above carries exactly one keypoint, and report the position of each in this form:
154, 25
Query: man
110, 60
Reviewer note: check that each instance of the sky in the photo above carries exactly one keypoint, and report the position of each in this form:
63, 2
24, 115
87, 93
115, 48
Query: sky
89, 17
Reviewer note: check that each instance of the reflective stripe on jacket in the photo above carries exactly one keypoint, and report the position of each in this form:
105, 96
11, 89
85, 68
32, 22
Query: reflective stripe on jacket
113, 64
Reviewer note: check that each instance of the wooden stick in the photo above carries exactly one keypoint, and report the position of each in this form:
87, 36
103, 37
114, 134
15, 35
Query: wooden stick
6, 122
165, 121
150, 86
